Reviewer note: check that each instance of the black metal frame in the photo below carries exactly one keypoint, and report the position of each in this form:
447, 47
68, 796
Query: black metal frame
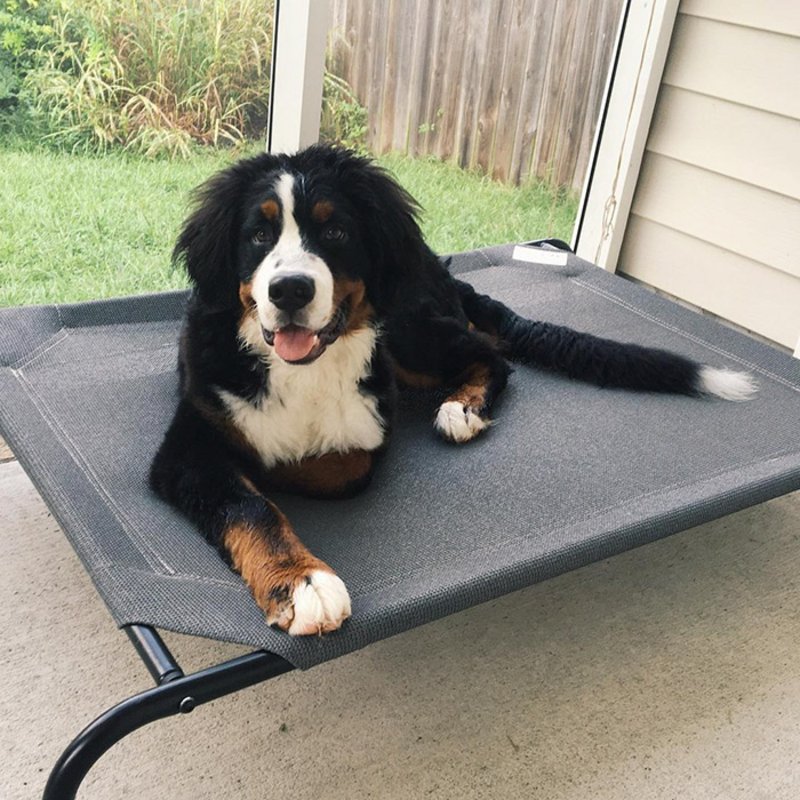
175, 693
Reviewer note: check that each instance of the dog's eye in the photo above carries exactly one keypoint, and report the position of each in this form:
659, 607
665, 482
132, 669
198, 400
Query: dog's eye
335, 233
261, 236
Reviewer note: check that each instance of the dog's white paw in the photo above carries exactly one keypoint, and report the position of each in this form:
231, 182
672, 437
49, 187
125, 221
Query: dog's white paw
320, 604
457, 422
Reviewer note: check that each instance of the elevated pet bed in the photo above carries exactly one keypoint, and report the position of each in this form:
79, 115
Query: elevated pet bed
569, 474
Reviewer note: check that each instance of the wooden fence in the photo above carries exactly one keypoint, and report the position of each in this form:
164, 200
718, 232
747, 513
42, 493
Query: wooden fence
510, 87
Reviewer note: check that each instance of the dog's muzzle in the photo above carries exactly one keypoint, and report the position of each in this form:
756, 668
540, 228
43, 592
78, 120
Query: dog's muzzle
296, 344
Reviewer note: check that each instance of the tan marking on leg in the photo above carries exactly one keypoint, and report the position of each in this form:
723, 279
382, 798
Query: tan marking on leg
472, 393
276, 565
460, 417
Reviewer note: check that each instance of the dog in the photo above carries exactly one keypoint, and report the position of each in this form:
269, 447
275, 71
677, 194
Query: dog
314, 297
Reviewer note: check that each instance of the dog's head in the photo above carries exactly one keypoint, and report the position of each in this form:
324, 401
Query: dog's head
309, 247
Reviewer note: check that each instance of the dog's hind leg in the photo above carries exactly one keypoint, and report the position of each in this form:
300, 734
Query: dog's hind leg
440, 351
465, 412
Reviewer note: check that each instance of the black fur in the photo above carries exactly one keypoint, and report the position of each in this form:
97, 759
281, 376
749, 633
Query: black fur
432, 326
580, 355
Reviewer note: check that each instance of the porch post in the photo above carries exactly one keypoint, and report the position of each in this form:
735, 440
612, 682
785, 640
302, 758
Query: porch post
298, 64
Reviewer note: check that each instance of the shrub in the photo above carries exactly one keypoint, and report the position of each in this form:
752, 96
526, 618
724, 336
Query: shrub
344, 119
154, 76
24, 29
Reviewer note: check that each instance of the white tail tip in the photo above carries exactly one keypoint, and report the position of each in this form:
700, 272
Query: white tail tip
726, 383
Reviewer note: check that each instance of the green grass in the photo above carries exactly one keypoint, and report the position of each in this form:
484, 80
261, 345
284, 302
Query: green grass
463, 210
75, 227
81, 227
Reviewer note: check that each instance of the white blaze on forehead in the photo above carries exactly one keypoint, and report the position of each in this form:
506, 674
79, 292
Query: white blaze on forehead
290, 231
289, 256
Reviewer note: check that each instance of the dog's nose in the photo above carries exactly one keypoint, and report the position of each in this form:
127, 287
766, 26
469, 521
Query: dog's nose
291, 292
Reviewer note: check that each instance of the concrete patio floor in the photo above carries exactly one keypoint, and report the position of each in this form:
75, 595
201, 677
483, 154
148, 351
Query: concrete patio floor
670, 671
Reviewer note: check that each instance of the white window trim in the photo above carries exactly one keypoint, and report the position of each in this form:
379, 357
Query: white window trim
298, 65
633, 83
299, 42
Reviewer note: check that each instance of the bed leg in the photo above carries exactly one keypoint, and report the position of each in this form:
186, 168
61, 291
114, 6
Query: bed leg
178, 696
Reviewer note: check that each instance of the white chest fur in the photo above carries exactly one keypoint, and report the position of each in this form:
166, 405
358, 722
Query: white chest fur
314, 408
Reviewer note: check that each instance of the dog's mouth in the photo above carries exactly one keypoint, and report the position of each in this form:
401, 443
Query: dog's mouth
298, 345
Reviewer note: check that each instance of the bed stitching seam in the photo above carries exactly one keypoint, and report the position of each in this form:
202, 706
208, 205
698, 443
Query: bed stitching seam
59, 336
611, 507
87, 541
79, 461
696, 339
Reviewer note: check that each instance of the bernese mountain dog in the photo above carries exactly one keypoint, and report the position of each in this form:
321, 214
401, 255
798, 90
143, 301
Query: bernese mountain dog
314, 296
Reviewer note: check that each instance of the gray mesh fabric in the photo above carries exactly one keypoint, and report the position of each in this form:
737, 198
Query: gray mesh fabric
569, 473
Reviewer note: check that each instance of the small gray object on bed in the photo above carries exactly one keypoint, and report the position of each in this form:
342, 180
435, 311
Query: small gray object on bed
569, 474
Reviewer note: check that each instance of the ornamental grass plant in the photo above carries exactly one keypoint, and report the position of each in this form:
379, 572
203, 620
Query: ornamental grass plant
153, 76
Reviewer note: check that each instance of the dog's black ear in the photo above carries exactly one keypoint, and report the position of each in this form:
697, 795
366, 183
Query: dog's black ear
391, 231
208, 242
392, 212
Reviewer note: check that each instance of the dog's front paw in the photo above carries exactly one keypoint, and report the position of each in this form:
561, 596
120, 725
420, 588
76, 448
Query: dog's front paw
316, 602
457, 422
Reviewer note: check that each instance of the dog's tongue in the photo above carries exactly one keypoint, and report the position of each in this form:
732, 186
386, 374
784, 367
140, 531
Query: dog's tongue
293, 343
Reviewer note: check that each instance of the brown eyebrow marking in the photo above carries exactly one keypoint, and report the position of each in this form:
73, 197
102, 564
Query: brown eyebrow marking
322, 211
270, 209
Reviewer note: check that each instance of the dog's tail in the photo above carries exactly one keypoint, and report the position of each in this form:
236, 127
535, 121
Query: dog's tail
599, 361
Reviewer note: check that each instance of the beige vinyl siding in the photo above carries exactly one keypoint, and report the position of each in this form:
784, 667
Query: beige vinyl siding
728, 138
715, 218
778, 16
